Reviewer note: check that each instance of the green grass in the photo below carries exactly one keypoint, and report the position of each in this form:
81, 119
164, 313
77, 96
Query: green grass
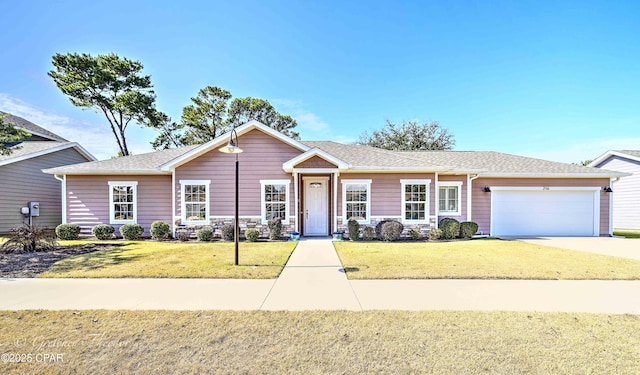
314, 342
478, 259
627, 233
258, 260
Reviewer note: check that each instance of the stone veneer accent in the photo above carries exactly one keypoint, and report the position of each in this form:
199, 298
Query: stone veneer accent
244, 223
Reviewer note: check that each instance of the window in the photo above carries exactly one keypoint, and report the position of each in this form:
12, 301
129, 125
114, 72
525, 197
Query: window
275, 200
449, 198
356, 200
122, 202
195, 201
415, 200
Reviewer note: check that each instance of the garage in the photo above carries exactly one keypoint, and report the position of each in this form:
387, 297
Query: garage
545, 211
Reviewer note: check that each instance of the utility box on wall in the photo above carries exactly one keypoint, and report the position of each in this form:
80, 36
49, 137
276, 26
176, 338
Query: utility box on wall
34, 208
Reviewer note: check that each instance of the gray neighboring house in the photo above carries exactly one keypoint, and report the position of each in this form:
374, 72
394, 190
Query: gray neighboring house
626, 191
22, 179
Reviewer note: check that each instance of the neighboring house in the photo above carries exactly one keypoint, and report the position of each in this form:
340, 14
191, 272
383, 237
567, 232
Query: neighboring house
626, 191
316, 186
22, 180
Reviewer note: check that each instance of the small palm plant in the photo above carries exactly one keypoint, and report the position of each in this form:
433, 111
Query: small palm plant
29, 238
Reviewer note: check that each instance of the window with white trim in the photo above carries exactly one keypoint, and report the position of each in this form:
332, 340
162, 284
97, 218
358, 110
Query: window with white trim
449, 198
275, 200
195, 201
415, 201
356, 200
123, 202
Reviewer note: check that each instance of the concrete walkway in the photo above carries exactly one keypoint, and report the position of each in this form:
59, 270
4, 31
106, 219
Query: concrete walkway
314, 279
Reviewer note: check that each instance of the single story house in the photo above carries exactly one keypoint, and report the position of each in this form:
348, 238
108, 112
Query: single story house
21, 176
317, 186
626, 206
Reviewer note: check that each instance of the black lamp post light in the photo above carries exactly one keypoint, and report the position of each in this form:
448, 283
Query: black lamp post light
233, 148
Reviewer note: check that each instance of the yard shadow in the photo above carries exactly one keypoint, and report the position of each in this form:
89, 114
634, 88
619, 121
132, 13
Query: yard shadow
96, 260
349, 269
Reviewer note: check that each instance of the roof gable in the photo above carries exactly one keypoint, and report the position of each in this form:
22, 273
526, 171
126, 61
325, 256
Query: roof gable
628, 154
315, 153
224, 139
31, 127
29, 150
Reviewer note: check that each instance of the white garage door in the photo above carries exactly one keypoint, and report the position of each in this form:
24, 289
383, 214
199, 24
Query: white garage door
541, 211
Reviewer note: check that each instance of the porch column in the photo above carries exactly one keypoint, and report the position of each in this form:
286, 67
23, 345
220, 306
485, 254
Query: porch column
335, 200
296, 202
436, 206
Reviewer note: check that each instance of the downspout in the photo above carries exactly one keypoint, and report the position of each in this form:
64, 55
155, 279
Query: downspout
470, 194
173, 202
296, 200
436, 206
63, 189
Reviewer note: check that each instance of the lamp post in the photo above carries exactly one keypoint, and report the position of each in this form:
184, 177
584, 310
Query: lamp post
233, 148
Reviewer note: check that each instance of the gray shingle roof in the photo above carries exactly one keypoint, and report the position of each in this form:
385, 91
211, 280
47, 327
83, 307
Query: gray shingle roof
144, 163
28, 148
30, 126
635, 153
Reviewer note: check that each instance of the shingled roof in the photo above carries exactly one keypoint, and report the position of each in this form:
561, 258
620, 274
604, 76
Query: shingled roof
31, 127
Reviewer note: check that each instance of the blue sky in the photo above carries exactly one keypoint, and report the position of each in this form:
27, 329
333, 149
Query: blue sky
555, 80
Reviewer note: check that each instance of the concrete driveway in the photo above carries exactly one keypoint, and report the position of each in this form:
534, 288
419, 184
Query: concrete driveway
614, 246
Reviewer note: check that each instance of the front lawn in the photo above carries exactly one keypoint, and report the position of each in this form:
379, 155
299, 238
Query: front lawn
627, 233
258, 260
319, 342
478, 259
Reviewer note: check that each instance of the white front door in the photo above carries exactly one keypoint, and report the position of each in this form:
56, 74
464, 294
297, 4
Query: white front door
316, 206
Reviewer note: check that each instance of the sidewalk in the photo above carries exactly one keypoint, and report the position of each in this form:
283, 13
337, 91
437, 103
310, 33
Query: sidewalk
313, 279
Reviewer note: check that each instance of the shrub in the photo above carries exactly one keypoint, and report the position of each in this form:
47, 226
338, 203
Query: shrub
204, 234
368, 233
160, 230
182, 235
131, 231
252, 234
354, 230
275, 228
68, 231
391, 231
29, 239
468, 229
450, 228
434, 234
228, 232
103, 231
379, 228
415, 233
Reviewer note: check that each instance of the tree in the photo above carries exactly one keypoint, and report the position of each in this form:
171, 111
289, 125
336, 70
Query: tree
10, 134
110, 85
410, 136
584, 163
211, 115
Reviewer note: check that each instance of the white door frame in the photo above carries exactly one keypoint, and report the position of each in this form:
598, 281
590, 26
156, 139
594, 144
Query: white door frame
305, 180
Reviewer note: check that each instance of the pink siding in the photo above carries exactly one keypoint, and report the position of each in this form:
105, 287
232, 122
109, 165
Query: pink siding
386, 192
262, 159
463, 196
88, 200
481, 206
315, 162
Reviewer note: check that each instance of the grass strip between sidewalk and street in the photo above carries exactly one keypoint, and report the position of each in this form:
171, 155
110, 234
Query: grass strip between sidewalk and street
258, 260
310, 342
478, 259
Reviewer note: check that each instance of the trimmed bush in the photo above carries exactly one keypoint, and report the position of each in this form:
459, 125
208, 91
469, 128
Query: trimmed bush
252, 234
415, 234
131, 231
434, 234
450, 228
68, 231
103, 231
160, 230
275, 228
204, 234
391, 231
228, 232
468, 229
354, 230
183, 235
29, 239
379, 228
368, 233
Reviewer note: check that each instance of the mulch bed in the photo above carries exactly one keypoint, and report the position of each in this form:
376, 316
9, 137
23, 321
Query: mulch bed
23, 265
